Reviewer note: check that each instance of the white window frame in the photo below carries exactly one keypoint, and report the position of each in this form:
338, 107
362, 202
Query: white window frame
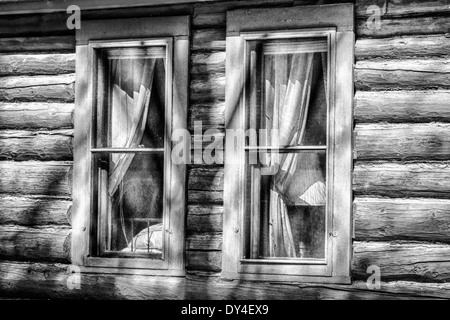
335, 22
173, 33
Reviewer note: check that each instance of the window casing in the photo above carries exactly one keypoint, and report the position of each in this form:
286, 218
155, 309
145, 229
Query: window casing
129, 197
292, 221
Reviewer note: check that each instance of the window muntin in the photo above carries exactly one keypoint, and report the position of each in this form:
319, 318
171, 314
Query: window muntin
286, 189
130, 155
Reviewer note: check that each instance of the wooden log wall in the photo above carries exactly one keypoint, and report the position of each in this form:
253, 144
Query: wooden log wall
401, 173
401, 142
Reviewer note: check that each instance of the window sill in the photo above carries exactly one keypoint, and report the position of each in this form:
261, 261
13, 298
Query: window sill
134, 271
281, 278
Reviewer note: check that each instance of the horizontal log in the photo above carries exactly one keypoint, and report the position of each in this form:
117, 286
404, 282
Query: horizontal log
36, 115
207, 88
208, 148
399, 260
404, 74
411, 7
204, 260
37, 64
204, 223
33, 211
36, 178
402, 141
38, 44
212, 115
49, 281
40, 244
205, 209
404, 219
402, 106
398, 179
205, 197
38, 88
35, 25
212, 241
208, 63
209, 40
401, 27
209, 20
36, 145
401, 8
206, 179
403, 47
224, 6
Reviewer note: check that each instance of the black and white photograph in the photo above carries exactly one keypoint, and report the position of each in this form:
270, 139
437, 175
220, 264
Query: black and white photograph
240, 151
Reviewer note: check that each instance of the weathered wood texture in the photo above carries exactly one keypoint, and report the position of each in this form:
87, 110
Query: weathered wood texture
206, 63
199, 196
402, 8
209, 40
402, 74
404, 219
204, 260
404, 26
206, 179
402, 179
36, 178
39, 280
39, 243
38, 44
34, 210
37, 64
402, 106
207, 15
425, 262
207, 87
402, 141
204, 241
35, 25
403, 47
37, 88
37, 145
36, 115
211, 114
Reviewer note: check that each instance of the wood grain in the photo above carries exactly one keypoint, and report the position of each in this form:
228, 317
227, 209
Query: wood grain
400, 179
34, 210
39, 243
402, 106
403, 219
402, 141
36, 145
36, 177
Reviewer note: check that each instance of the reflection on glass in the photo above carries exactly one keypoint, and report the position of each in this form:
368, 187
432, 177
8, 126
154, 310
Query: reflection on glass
131, 114
286, 190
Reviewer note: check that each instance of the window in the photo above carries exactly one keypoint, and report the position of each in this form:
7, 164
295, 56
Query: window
129, 197
293, 98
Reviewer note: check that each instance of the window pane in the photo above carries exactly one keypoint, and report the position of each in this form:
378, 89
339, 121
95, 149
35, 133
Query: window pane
286, 208
287, 91
286, 94
131, 203
132, 98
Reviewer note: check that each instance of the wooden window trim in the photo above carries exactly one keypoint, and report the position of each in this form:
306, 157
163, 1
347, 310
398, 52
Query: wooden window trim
123, 33
27, 7
243, 25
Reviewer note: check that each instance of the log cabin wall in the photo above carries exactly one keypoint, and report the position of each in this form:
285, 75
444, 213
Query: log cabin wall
401, 158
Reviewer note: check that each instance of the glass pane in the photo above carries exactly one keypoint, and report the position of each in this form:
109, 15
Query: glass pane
131, 203
286, 207
132, 98
287, 91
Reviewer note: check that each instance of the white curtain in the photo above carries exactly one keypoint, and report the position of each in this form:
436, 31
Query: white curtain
287, 98
129, 119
